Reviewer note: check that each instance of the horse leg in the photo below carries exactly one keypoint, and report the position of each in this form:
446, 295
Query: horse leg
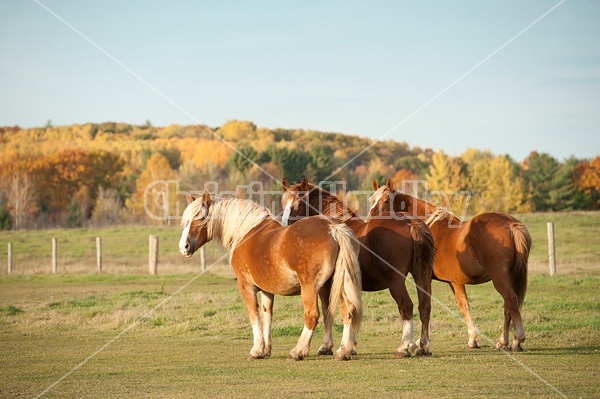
266, 303
460, 294
311, 318
327, 346
249, 292
503, 341
405, 306
511, 313
424, 294
348, 345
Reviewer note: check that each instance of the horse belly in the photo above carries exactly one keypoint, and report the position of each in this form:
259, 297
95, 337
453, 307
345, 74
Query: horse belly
268, 272
372, 277
277, 279
458, 264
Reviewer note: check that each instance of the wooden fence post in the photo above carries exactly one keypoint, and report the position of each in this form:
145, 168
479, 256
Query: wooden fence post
153, 255
99, 254
9, 258
551, 249
54, 256
203, 258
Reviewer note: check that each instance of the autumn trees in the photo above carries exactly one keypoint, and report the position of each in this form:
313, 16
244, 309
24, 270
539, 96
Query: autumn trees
65, 181
104, 173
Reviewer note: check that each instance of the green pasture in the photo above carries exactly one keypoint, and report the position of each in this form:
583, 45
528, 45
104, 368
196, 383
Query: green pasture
577, 239
125, 249
124, 334
196, 344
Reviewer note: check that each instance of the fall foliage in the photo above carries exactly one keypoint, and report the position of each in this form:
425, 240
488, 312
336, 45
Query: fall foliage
105, 173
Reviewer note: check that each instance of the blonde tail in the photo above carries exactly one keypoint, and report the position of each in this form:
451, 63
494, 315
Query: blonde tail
347, 285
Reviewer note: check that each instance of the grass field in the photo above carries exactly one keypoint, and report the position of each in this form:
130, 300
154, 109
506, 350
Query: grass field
134, 335
196, 344
125, 249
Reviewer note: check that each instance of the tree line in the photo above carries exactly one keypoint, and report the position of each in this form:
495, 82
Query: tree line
97, 174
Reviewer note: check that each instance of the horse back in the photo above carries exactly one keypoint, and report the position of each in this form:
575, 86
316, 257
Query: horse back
490, 238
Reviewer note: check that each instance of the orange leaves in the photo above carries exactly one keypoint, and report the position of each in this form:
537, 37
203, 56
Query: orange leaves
587, 176
58, 177
402, 175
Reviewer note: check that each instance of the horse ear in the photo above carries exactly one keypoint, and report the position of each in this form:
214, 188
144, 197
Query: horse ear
304, 185
206, 199
190, 198
285, 184
389, 184
375, 185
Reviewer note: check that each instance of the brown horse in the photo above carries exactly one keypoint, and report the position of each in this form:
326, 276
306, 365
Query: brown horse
389, 250
491, 246
271, 259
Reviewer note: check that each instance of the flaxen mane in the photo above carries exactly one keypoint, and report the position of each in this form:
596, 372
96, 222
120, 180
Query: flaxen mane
228, 219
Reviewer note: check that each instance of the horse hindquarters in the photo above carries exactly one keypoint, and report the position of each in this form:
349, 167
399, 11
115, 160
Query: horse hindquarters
504, 243
522, 245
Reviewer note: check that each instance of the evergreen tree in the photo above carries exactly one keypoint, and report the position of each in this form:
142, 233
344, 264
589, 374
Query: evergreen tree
242, 159
551, 183
321, 162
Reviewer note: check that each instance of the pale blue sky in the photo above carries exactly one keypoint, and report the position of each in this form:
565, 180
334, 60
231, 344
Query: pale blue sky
350, 67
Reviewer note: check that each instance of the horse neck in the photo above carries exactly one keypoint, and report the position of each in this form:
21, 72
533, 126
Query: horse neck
425, 210
330, 205
413, 205
231, 219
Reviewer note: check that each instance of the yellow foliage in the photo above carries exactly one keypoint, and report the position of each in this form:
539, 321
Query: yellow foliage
154, 193
213, 151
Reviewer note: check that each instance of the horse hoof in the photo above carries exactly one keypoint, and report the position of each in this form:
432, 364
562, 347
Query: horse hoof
473, 345
402, 354
325, 352
517, 348
343, 356
254, 357
500, 346
297, 356
353, 352
423, 352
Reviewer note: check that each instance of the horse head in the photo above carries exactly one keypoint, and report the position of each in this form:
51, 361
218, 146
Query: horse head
194, 224
382, 199
296, 201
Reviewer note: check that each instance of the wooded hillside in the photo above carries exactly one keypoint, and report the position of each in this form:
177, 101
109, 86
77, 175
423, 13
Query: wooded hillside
97, 173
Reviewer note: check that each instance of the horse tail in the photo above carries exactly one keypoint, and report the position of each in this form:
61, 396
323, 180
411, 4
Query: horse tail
346, 285
422, 268
423, 251
522, 242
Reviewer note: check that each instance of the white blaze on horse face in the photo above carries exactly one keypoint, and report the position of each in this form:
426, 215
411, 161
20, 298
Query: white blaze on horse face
183, 240
376, 198
286, 212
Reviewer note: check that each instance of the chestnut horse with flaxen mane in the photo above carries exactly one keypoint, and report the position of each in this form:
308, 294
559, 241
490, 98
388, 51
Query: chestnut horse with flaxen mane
490, 246
271, 259
389, 250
